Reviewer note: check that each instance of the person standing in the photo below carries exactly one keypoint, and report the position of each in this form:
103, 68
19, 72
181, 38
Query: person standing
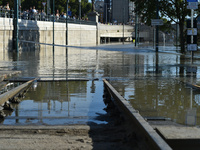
43, 15
7, 7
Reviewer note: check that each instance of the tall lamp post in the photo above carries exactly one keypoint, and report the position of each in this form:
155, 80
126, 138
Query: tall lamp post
67, 22
15, 23
157, 27
53, 23
136, 25
79, 9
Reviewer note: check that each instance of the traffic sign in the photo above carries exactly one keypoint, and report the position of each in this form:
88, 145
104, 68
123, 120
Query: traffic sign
192, 5
156, 22
192, 47
69, 13
192, 31
192, 0
43, 3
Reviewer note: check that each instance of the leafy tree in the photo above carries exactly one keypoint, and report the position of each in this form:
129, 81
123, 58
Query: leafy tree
26, 4
60, 5
172, 10
4, 2
86, 7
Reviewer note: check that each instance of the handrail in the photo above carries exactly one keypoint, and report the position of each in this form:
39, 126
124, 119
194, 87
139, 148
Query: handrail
4, 13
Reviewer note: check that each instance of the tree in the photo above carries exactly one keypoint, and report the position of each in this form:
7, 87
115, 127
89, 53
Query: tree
86, 7
172, 10
60, 5
4, 2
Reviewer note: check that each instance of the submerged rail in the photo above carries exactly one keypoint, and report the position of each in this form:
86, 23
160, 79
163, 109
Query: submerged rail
151, 136
10, 94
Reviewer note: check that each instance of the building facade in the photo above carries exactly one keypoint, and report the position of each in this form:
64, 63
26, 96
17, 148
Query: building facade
115, 11
120, 11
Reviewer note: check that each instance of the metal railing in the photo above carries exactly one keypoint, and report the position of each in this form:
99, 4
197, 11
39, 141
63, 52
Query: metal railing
4, 13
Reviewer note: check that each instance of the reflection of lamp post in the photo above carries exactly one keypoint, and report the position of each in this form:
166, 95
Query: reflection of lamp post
79, 9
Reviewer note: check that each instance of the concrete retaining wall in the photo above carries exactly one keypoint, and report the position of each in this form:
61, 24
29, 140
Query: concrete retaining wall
42, 32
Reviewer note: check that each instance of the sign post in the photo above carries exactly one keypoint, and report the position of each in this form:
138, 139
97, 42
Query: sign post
192, 4
156, 23
44, 3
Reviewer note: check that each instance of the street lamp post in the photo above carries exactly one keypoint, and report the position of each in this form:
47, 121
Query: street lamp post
53, 23
157, 28
67, 23
106, 13
15, 23
79, 9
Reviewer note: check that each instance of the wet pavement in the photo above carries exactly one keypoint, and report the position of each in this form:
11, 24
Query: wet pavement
154, 83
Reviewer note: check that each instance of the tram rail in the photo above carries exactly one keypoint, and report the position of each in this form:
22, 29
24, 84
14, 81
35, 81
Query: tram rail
152, 138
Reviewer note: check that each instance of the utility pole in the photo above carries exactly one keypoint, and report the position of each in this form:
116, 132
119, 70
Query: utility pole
15, 23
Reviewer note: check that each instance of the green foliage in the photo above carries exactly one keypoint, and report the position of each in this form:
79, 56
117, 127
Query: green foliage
4, 2
26, 4
85, 7
59, 5
170, 10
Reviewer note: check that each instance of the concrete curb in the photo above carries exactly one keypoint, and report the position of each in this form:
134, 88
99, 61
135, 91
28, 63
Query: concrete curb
153, 139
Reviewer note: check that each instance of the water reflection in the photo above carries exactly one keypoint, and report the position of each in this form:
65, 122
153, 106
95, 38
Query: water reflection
96, 63
151, 81
162, 97
58, 103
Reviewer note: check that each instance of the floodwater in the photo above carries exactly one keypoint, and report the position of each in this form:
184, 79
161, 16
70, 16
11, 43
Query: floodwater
59, 102
154, 83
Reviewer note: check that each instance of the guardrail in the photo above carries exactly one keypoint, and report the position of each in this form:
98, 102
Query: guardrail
4, 13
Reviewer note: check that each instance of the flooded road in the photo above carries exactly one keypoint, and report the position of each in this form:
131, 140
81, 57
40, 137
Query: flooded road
56, 103
155, 84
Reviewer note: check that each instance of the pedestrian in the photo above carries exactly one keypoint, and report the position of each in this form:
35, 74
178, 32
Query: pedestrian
34, 13
7, 7
57, 15
30, 15
43, 15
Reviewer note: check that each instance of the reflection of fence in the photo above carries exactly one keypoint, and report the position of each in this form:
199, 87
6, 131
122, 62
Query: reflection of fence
8, 87
42, 17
